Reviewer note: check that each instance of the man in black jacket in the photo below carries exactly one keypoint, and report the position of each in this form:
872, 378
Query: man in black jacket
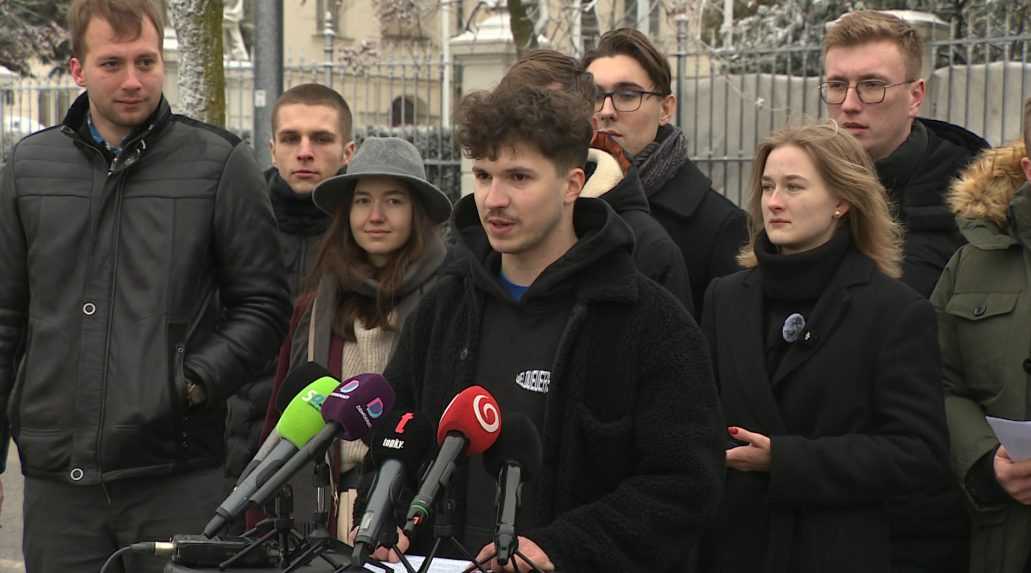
139, 291
544, 288
873, 88
311, 141
634, 105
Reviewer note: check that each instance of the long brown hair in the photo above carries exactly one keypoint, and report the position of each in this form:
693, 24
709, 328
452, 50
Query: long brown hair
342, 258
849, 174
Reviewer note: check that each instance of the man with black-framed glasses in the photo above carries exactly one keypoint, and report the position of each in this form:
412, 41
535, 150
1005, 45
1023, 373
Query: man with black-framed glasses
634, 106
873, 88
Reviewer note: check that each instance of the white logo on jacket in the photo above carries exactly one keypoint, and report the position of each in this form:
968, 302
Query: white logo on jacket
537, 381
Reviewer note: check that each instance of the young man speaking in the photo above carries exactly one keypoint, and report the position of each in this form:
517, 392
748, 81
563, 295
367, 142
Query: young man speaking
544, 288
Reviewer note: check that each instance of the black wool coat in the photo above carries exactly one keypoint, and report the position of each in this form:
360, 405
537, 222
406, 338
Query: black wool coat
855, 412
708, 227
633, 459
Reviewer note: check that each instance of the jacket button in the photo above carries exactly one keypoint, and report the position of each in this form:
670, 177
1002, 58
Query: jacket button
1027, 365
979, 310
89, 309
464, 353
76, 474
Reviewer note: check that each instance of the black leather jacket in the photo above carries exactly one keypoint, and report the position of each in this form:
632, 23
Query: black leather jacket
121, 279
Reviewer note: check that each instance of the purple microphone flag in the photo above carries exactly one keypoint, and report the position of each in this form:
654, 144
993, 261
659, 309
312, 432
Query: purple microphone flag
357, 403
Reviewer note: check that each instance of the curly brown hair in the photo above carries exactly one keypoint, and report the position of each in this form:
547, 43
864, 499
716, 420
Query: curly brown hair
556, 123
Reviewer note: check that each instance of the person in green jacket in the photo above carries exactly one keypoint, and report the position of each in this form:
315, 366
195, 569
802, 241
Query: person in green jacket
983, 301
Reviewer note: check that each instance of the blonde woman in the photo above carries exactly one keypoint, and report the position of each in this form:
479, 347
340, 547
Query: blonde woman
828, 369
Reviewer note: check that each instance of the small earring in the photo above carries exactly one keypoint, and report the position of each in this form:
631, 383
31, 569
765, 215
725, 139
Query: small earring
837, 214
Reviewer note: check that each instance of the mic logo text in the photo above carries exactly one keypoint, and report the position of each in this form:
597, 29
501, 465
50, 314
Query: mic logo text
394, 443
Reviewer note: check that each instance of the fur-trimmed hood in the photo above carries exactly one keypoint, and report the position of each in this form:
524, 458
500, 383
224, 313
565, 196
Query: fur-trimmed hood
982, 198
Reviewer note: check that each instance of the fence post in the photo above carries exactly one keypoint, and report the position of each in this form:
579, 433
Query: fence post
681, 20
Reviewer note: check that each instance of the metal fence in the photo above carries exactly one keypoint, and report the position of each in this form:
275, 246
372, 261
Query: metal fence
407, 96
731, 99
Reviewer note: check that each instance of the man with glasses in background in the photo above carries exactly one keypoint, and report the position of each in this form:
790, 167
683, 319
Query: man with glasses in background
873, 88
634, 105
873, 63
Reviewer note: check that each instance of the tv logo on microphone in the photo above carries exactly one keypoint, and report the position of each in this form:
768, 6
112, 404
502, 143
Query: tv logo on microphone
314, 399
394, 443
370, 411
486, 413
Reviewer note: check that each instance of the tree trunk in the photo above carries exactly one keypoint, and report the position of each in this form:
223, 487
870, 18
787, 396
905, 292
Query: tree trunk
522, 27
198, 26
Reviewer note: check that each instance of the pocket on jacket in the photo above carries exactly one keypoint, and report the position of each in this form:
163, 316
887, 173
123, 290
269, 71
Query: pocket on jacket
607, 450
983, 322
45, 449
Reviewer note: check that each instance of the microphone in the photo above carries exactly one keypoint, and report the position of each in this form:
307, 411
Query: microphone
515, 459
292, 386
301, 420
348, 413
399, 446
469, 425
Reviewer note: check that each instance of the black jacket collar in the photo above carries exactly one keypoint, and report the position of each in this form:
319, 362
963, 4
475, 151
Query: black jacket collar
684, 193
826, 316
135, 144
928, 159
599, 267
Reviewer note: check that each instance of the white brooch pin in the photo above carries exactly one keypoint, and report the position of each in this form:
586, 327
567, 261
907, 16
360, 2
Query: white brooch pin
793, 327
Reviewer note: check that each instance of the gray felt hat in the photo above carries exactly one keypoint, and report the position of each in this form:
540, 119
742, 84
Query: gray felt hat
388, 157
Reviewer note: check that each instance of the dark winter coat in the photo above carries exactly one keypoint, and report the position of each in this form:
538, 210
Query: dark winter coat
633, 433
918, 176
855, 413
300, 231
931, 528
984, 311
655, 253
123, 280
708, 228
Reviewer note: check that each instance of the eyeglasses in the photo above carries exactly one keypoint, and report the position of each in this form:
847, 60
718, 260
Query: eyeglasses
622, 99
868, 91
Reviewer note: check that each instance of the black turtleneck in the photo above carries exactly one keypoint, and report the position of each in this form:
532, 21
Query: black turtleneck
296, 213
792, 284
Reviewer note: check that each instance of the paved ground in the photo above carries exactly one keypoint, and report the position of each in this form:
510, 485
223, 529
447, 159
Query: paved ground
10, 517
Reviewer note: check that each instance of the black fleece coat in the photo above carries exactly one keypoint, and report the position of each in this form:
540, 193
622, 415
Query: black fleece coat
855, 413
708, 227
633, 431
656, 255
918, 176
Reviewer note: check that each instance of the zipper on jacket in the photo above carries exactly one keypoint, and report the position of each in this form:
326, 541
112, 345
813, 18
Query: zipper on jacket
116, 237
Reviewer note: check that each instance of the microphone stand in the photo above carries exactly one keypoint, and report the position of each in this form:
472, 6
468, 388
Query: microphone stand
319, 538
506, 542
444, 528
281, 508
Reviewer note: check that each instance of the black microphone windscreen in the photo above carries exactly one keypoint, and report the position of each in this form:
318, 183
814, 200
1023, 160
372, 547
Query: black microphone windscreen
403, 436
297, 380
519, 442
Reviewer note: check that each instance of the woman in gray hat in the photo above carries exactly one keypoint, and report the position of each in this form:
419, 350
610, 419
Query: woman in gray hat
378, 257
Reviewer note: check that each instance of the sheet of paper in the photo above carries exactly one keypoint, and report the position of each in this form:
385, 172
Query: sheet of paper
1015, 436
438, 566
